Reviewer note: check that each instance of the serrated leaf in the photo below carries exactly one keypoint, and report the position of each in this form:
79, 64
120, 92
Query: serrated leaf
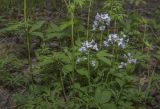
63, 57
37, 26
37, 34
68, 68
102, 56
12, 27
65, 25
120, 82
54, 35
80, 2
102, 53
83, 72
105, 60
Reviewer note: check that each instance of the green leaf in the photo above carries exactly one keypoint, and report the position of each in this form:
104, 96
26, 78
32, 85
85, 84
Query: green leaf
102, 53
102, 56
97, 95
65, 25
68, 68
77, 86
83, 72
37, 26
120, 82
119, 75
12, 27
80, 2
105, 60
106, 96
102, 97
37, 34
157, 55
63, 57
109, 106
54, 35
53, 28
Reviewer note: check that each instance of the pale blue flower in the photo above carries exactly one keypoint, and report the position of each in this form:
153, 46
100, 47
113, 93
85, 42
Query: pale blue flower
102, 28
122, 65
93, 63
101, 22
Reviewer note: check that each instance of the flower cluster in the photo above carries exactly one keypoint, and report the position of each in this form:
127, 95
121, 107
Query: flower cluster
86, 46
101, 21
114, 38
130, 60
93, 62
80, 59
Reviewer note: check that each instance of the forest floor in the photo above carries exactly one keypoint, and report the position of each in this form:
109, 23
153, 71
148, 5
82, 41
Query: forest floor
11, 45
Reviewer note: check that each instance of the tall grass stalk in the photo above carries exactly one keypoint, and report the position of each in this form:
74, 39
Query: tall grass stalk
72, 19
27, 36
88, 20
144, 34
71, 12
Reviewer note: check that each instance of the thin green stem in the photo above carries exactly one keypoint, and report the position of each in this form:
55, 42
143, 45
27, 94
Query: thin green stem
101, 38
144, 36
63, 89
149, 84
88, 22
89, 76
28, 37
115, 27
72, 19
66, 3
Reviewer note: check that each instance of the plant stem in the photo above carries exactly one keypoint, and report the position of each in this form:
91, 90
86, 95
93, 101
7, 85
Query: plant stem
72, 19
28, 37
62, 85
89, 76
101, 40
88, 22
144, 36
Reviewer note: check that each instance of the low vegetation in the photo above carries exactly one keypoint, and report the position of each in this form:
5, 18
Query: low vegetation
79, 54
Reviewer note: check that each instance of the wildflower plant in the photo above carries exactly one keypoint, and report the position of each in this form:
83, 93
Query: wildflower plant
129, 60
94, 73
88, 50
113, 42
114, 38
101, 22
88, 46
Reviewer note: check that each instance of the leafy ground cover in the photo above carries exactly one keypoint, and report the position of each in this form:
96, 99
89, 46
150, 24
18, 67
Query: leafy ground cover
79, 54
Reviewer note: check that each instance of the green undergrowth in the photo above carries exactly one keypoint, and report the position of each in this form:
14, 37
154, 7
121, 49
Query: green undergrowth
106, 60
